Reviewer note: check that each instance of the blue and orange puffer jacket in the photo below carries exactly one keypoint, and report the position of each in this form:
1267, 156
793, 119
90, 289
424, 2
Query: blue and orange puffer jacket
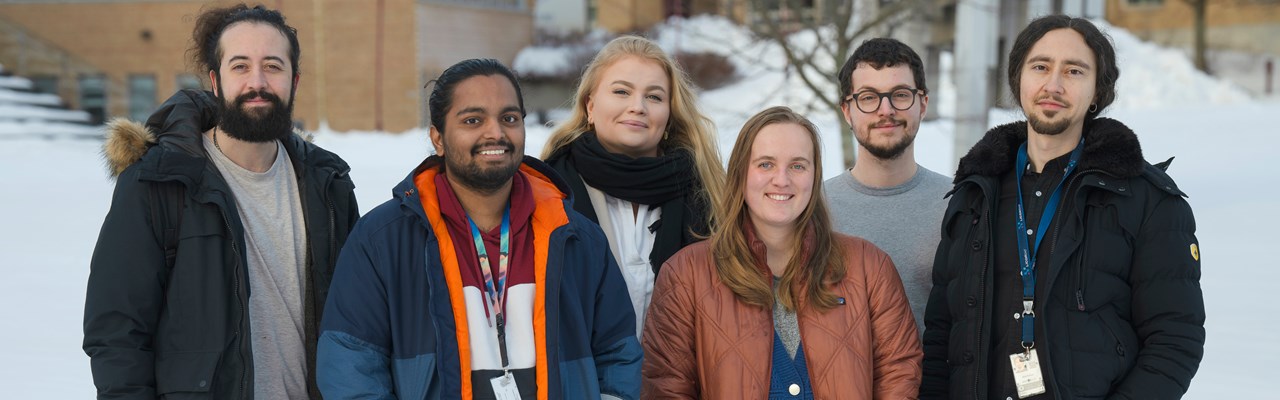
395, 322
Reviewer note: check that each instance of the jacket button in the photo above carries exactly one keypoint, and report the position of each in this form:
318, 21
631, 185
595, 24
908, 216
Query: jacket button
203, 383
1102, 183
968, 357
974, 221
794, 389
977, 245
970, 301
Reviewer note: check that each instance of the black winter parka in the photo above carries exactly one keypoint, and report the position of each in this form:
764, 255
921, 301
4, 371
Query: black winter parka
152, 332
1121, 308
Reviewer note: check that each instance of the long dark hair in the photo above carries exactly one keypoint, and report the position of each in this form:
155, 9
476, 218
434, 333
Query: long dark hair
1103, 52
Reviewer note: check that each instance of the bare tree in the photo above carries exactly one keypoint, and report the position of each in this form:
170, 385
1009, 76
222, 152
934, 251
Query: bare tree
1198, 10
839, 25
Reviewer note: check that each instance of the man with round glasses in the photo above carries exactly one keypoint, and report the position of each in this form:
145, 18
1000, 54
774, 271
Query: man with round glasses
886, 197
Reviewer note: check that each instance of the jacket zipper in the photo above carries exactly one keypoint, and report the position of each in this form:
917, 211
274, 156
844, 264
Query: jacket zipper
1053, 245
1080, 278
236, 292
333, 236
982, 291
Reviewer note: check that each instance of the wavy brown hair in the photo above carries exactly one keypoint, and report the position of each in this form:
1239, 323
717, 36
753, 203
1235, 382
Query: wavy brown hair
688, 128
811, 270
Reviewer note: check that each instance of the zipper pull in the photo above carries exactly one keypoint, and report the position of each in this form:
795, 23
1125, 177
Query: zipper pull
1079, 300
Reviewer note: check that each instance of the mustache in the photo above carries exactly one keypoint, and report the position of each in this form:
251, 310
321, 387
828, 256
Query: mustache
255, 94
886, 121
1055, 98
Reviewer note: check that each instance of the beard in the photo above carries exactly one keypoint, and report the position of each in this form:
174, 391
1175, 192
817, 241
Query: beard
1045, 127
891, 151
257, 125
477, 177
1048, 128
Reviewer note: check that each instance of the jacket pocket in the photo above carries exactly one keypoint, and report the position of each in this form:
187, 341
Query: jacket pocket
185, 372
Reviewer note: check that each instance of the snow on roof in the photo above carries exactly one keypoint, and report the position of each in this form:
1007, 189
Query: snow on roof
15, 82
21, 112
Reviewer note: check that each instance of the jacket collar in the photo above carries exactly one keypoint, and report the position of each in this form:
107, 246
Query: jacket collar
545, 183
1109, 146
760, 253
176, 151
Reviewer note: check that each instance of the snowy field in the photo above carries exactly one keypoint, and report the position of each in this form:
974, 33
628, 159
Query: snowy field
56, 192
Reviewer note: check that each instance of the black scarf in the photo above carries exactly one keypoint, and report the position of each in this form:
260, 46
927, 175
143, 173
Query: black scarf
644, 180
668, 181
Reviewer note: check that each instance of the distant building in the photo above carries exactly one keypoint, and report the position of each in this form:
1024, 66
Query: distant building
364, 63
1242, 25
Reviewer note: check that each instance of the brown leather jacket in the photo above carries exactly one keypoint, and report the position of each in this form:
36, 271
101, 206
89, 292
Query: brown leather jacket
701, 342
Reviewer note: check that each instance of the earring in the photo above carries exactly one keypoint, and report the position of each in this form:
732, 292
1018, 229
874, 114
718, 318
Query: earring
666, 135
1093, 108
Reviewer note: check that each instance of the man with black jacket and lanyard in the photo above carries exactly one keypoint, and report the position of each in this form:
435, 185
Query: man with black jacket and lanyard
212, 267
1068, 265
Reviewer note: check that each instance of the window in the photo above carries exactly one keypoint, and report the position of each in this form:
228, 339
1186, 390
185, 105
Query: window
142, 96
93, 97
188, 81
44, 84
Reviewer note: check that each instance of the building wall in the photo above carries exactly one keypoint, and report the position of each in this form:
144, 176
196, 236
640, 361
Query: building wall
561, 16
628, 15
449, 33
1232, 24
339, 63
369, 79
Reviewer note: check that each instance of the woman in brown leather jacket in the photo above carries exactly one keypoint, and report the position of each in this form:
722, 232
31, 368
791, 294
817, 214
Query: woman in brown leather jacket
775, 304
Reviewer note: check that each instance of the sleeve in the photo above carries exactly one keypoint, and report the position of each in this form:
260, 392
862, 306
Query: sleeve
897, 347
1168, 305
353, 357
669, 371
124, 296
614, 345
935, 382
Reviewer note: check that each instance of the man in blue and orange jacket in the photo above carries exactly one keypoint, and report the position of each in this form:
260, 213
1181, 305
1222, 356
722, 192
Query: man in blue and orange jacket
478, 280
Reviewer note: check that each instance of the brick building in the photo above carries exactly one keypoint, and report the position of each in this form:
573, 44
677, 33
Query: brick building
363, 65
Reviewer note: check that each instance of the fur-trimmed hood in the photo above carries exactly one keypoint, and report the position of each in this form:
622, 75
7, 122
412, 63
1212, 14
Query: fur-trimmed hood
127, 141
1109, 146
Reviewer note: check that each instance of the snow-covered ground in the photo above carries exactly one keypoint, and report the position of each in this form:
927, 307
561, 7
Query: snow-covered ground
56, 192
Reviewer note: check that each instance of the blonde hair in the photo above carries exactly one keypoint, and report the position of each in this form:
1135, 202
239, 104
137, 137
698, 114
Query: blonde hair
687, 127
815, 268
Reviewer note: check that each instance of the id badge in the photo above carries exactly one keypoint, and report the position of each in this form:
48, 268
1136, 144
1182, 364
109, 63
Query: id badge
1026, 374
504, 387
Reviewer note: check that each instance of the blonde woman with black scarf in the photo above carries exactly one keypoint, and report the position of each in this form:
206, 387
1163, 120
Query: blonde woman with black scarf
640, 158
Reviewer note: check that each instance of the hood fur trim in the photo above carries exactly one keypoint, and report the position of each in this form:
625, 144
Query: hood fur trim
1109, 146
126, 142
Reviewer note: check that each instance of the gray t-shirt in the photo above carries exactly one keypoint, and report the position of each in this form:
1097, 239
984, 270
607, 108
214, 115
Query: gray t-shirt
904, 221
275, 247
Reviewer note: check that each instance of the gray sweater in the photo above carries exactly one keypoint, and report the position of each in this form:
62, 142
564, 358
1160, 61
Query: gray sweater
903, 220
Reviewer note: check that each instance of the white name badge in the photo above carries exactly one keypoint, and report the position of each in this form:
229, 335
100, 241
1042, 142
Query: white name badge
1026, 374
504, 387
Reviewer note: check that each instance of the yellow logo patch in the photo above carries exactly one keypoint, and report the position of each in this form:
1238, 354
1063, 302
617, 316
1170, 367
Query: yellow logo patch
1195, 252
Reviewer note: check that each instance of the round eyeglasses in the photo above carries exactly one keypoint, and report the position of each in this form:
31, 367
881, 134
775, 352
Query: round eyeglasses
900, 99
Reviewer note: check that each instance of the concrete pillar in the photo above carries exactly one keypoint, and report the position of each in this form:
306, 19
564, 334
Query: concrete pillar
975, 57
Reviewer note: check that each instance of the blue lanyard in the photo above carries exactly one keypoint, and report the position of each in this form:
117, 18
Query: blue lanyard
1026, 253
495, 292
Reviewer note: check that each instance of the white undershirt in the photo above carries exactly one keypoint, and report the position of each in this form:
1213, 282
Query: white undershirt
631, 241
